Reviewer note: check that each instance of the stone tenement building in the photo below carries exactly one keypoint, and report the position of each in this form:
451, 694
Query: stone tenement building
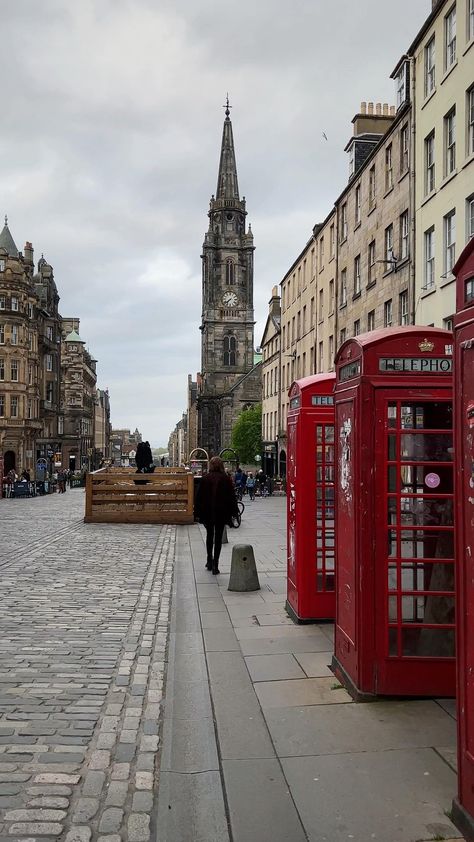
230, 381
29, 358
102, 427
78, 388
40, 382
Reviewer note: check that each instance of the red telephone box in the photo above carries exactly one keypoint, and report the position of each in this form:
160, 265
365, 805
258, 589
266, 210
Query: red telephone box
463, 806
311, 591
394, 513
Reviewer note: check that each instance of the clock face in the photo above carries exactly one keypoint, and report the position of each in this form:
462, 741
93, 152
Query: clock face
229, 299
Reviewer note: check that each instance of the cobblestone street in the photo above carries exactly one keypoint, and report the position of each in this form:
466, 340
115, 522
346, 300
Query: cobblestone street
83, 631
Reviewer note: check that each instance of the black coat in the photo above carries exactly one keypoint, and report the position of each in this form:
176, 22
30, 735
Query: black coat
143, 457
215, 499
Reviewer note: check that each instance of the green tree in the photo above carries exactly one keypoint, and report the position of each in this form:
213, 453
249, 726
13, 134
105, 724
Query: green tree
247, 434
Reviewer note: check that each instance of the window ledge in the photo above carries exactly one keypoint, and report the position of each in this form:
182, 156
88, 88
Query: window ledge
446, 281
468, 46
428, 197
427, 98
404, 174
371, 284
342, 306
449, 71
388, 272
469, 160
448, 178
403, 262
371, 210
387, 192
344, 240
425, 293
356, 295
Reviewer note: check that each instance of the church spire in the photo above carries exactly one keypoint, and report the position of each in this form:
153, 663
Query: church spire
227, 184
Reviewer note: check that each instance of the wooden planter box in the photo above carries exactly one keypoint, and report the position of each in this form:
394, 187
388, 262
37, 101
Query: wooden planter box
120, 495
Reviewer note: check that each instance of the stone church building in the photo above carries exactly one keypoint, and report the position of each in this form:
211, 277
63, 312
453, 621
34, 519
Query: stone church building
230, 377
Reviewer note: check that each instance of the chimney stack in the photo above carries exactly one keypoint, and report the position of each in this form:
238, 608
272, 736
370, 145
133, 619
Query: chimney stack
28, 254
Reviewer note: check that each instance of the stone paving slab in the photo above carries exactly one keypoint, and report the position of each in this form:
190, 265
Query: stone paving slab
273, 667
342, 729
307, 691
315, 664
394, 796
260, 804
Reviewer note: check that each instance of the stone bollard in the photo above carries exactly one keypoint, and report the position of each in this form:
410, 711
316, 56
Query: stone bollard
243, 570
225, 539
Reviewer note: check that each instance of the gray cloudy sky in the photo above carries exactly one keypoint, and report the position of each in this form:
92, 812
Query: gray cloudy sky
109, 148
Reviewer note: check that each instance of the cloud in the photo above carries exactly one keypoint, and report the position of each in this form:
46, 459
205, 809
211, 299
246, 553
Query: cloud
109, 152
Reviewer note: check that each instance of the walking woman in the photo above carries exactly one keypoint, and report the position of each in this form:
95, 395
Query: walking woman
215, 506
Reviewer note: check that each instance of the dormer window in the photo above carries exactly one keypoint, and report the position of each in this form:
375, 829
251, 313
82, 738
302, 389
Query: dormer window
401, 82
351, 160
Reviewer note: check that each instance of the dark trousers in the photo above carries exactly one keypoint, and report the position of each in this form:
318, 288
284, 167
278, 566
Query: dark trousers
214, 532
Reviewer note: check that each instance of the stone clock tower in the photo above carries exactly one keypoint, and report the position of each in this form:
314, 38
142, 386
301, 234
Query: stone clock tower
230, 378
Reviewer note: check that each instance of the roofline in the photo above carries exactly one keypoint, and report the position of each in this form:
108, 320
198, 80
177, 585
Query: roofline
289, 271
420, 35
321, 225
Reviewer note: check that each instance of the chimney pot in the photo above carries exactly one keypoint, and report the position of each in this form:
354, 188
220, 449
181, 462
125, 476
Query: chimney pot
378, 108
363, 108
385, 108
370, 108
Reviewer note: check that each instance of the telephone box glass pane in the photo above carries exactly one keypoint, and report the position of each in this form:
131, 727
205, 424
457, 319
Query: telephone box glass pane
392, 448
392, 415
392, 478
433, 447
425, 511
428, 642
427, 576
392, 609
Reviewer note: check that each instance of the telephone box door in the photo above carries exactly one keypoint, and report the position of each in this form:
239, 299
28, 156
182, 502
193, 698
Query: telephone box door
414, 542
464, 814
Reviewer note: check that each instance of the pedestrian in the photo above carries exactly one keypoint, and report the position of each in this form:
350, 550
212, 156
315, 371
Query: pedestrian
262, 483
144, 458
238, 477
251, 486
215, 506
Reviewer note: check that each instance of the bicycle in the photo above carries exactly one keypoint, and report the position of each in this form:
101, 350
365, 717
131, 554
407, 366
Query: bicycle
237, 519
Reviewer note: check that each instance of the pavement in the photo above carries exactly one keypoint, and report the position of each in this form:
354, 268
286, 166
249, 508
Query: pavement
139, 699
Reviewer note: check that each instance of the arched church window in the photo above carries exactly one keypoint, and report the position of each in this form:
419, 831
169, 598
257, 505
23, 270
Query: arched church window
229, 272
230, 349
